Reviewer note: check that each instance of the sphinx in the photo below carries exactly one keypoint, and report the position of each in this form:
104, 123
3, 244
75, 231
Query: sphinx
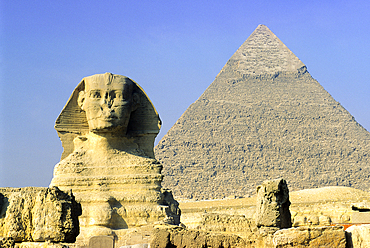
107, 129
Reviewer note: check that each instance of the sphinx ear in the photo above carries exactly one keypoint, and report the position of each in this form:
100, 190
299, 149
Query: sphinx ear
135, 101
81, 99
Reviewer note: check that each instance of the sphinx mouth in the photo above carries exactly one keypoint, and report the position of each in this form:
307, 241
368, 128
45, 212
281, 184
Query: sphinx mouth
110, 118
106, 118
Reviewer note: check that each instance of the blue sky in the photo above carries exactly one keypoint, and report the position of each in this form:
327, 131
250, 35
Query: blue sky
173, 49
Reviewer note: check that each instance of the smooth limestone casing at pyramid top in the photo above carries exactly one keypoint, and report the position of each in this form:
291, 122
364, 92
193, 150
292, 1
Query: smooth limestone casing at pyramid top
263, 117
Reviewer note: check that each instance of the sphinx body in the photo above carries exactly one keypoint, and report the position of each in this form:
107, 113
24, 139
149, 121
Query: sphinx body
107, 130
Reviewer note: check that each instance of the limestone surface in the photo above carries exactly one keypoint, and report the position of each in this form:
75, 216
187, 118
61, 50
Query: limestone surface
237, 224
6, 242
309, 207
310, 237
273, 204
101, 241
263, 117
187, 238
107, 129
38, 214
292, 237
358, 236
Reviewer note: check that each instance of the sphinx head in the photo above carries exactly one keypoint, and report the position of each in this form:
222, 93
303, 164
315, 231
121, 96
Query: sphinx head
108, 105
108, 101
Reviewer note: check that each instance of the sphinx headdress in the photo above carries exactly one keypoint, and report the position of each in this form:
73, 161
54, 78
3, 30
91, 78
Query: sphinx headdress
143, 127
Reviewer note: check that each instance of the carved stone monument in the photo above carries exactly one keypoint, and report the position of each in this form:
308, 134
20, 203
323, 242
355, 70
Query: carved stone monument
107, 129
273, 204
264, 116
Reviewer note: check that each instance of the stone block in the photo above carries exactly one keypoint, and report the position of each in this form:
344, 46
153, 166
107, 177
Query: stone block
39, 214
6, 242
273, 204
358, 236
310, 237
361, 217
181, 237
101, 242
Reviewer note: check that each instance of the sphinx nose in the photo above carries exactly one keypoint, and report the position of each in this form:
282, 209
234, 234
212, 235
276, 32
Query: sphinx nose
105, 105
108, 102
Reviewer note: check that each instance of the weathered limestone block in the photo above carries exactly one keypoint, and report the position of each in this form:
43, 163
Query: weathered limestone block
173, 211
310, 237
6, 242
273, 204
39, 214
358, 236
361, 206
215, 222
187, 238
361, 212
101, 241
107, 129
330, 205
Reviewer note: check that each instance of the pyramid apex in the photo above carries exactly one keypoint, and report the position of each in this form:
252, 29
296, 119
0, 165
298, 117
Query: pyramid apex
263, 52
262, 26
250, 125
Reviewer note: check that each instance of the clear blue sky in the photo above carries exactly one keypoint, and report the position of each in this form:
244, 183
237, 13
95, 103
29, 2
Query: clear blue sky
173, 49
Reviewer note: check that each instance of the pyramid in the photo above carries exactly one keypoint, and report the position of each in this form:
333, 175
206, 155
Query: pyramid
263, 117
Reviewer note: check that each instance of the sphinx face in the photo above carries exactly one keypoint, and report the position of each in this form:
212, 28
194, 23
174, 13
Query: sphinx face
107, 105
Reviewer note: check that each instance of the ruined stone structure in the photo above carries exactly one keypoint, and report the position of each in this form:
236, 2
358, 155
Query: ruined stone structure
107, 129
231, 223
38, 214
308, 237
273, 204
358, 236
263, 117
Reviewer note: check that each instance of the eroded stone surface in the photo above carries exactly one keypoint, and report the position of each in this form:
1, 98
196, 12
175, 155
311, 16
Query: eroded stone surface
361, 206
273, 204
39, 214
6, 242
358, 236
107, 130
101, 242
310, 207
263, 117
310, 237
187, 238
263, 238
214, 222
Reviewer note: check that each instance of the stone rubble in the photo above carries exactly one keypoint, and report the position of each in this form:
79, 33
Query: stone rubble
38, 214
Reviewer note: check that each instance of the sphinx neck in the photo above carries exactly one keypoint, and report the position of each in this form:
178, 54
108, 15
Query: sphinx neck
105, 142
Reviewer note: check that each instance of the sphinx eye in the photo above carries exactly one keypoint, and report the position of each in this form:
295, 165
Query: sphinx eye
119, 95
95, 94
113, 95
